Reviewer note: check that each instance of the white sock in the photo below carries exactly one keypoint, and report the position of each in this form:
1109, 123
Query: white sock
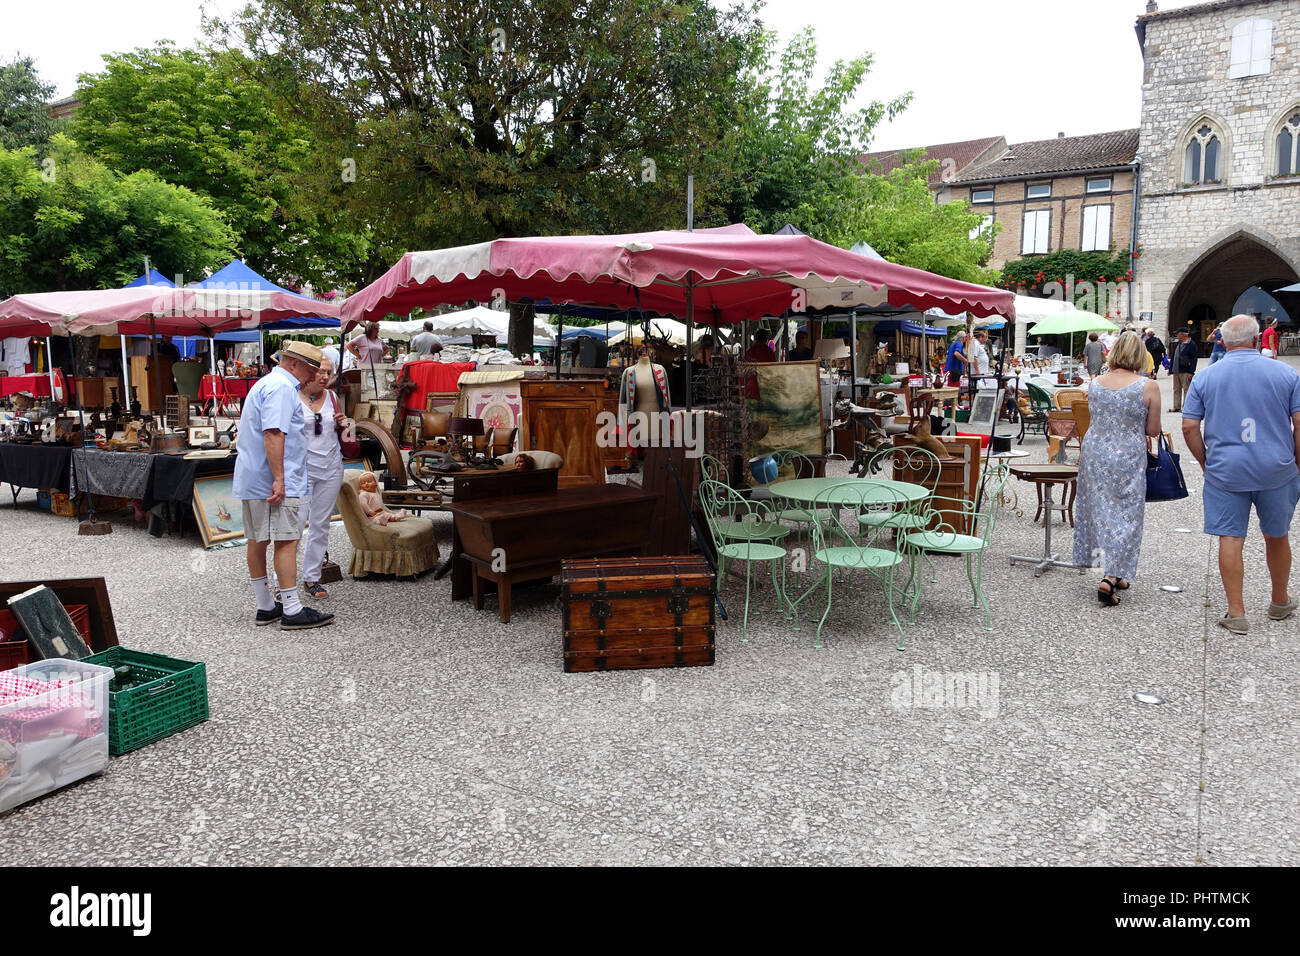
262, 591
289, 598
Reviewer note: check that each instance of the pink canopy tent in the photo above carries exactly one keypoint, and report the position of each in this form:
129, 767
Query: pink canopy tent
154, 310
731, 274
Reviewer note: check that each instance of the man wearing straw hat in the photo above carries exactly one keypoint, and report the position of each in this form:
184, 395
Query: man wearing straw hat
271, 479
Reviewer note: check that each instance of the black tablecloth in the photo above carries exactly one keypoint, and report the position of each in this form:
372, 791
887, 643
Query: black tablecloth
121, 474
36, 466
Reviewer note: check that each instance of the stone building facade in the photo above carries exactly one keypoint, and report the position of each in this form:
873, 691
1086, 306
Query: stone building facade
1070, 192
1219, 208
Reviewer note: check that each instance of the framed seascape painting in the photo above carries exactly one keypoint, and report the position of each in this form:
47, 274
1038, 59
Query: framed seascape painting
220, 515
784, 403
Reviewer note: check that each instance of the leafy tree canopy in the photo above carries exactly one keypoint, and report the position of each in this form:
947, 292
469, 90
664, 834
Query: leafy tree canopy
196, 119
466, 121
23, 98
69, 222
895, 213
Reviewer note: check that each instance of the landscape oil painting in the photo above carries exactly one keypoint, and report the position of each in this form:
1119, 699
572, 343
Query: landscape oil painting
785, 409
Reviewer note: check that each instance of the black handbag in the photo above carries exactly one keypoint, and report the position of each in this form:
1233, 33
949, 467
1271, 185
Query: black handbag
1164, 474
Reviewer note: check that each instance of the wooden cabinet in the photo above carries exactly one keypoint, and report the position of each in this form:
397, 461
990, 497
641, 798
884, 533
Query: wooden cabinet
142, 379
560, 416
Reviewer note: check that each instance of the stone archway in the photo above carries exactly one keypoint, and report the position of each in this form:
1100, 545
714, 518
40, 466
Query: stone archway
1213, 282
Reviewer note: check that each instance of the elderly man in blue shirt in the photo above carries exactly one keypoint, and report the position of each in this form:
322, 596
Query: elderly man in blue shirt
271, 479
1250, 407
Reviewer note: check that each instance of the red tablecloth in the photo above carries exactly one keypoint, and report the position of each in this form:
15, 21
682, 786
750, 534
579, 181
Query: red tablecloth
212, 387
38, 384
432, 376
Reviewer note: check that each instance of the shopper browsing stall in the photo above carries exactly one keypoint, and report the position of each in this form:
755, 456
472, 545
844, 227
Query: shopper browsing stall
271, 481
323, 419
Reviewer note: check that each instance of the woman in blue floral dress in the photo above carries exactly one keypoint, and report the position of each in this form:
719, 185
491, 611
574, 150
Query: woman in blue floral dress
1124, 409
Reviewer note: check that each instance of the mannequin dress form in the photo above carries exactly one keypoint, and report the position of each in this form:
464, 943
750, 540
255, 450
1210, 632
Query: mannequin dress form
644, 390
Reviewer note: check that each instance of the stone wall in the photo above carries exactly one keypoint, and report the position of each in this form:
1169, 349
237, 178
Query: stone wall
1185, 83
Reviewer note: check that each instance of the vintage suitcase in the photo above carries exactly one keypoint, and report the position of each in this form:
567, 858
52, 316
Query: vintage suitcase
624, 613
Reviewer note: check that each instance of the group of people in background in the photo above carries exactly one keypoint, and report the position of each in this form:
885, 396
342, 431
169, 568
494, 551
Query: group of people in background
1240, 422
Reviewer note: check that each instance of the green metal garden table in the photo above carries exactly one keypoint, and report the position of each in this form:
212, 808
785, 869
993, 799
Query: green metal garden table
806, 491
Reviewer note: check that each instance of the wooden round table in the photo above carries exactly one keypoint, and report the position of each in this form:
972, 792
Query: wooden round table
1045, 478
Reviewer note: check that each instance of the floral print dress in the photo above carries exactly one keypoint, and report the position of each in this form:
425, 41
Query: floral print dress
1112, 486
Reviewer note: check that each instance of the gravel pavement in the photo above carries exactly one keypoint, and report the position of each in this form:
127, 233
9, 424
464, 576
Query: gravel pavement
415, 730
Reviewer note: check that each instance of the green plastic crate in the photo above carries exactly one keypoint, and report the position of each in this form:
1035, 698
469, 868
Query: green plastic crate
162, 696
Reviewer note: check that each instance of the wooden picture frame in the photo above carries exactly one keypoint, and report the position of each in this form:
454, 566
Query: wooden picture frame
196, 435
217, 512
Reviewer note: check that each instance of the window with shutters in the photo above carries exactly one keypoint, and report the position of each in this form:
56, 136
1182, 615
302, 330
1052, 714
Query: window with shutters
1203, 157
986, 224
1037, 227
1252, 48
1288, 160
1096, 228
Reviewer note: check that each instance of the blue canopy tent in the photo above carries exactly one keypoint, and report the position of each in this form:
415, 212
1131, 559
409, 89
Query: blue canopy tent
152, 277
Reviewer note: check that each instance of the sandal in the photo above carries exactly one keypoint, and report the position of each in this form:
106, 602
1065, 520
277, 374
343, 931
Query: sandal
1106, 592
315, 590
1121, 584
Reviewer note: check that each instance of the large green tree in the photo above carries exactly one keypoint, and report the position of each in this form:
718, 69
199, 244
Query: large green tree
793, 155
895, 213
197, 119
24, 120
69, 222
467, 120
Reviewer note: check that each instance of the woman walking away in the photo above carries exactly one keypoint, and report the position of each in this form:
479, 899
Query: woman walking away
324, 472
1093, 354
1125, 409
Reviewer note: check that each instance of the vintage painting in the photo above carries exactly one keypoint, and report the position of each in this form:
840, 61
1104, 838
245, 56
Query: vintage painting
497, 403
784, 403
220, 515
982, 409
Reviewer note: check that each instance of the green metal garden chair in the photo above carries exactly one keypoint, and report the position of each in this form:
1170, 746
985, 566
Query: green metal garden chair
711, 469
741, 531
1040, 408
835, 547
969, 534
792, 465
917, 465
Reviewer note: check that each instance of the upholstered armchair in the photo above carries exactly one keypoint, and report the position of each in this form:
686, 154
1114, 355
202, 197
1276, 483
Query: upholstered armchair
403, 548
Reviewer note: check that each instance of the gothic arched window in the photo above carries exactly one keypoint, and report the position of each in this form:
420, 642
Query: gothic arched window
1287, 138
1203, 157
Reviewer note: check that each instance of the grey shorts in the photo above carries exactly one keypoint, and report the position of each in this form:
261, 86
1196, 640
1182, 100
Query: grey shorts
266, 522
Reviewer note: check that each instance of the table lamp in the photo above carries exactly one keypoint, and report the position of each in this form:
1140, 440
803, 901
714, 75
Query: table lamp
831, 350
459, 429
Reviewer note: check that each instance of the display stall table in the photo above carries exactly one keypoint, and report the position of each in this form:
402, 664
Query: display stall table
38, 384
224, 391
525, 537
35, 466
1045, 478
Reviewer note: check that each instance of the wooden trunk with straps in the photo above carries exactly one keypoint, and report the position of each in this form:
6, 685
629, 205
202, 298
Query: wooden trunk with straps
625, 613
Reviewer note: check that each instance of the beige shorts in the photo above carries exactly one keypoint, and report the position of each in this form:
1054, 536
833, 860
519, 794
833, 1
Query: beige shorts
267, 522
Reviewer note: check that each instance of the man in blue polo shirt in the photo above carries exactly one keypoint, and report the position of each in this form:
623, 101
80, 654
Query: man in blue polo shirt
271, 479
1251, 410
957, 362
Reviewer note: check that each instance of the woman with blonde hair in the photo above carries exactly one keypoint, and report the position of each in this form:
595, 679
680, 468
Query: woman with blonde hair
1124, 406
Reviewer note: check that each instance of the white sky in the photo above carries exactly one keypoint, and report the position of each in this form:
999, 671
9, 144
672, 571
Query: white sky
1025, 69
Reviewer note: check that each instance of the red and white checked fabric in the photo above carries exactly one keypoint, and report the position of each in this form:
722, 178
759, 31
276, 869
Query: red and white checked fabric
66, 709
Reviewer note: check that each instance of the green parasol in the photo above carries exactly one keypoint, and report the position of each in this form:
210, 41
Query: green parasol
1067, 323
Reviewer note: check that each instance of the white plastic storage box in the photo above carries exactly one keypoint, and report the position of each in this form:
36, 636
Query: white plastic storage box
55, 737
